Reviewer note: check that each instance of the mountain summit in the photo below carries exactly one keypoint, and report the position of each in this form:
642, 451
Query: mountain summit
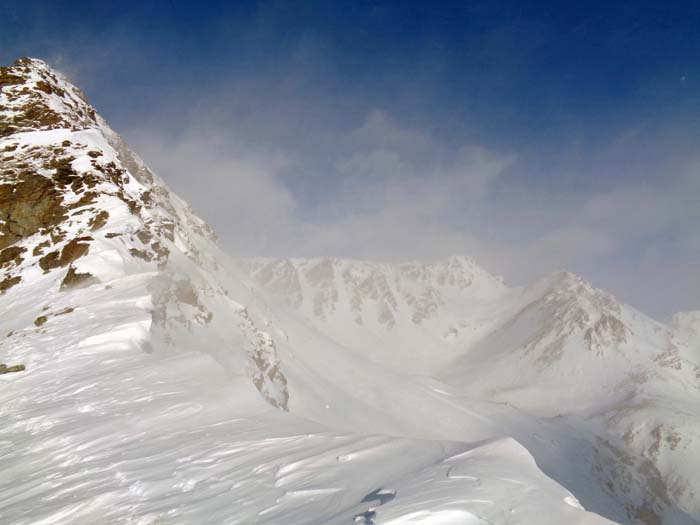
148, 377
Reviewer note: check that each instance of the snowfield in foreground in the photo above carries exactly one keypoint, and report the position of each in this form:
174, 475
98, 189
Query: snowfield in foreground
167, 382
102, 431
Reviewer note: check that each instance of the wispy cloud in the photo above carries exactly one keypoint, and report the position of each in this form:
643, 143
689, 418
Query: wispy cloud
397, 192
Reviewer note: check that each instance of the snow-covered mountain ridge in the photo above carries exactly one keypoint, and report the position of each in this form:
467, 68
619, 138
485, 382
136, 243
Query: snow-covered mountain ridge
447, 317
166, 382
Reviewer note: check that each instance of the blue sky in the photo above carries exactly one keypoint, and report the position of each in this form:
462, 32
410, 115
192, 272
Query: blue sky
534, 136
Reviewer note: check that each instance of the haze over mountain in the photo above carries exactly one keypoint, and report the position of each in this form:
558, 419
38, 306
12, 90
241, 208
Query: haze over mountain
149, 377
533, 138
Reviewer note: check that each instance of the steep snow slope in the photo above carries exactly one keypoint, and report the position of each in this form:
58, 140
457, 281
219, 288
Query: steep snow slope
168, 383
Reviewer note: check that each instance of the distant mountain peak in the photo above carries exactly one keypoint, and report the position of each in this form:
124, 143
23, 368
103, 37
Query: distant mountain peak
370, 292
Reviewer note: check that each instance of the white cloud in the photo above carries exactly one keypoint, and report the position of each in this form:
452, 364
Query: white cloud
240, 194
633, 211
398, 193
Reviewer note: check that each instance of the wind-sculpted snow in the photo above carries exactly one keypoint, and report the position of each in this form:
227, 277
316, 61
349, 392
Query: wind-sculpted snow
148, 378
99, 431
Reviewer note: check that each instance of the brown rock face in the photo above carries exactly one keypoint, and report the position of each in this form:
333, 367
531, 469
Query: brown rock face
10, 256
28, 97
9, 282
74, 279
4, 369
27, 206
73, 250
99, 220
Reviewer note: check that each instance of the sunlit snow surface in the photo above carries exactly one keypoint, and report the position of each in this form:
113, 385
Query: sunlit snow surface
99, 431
412, 393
